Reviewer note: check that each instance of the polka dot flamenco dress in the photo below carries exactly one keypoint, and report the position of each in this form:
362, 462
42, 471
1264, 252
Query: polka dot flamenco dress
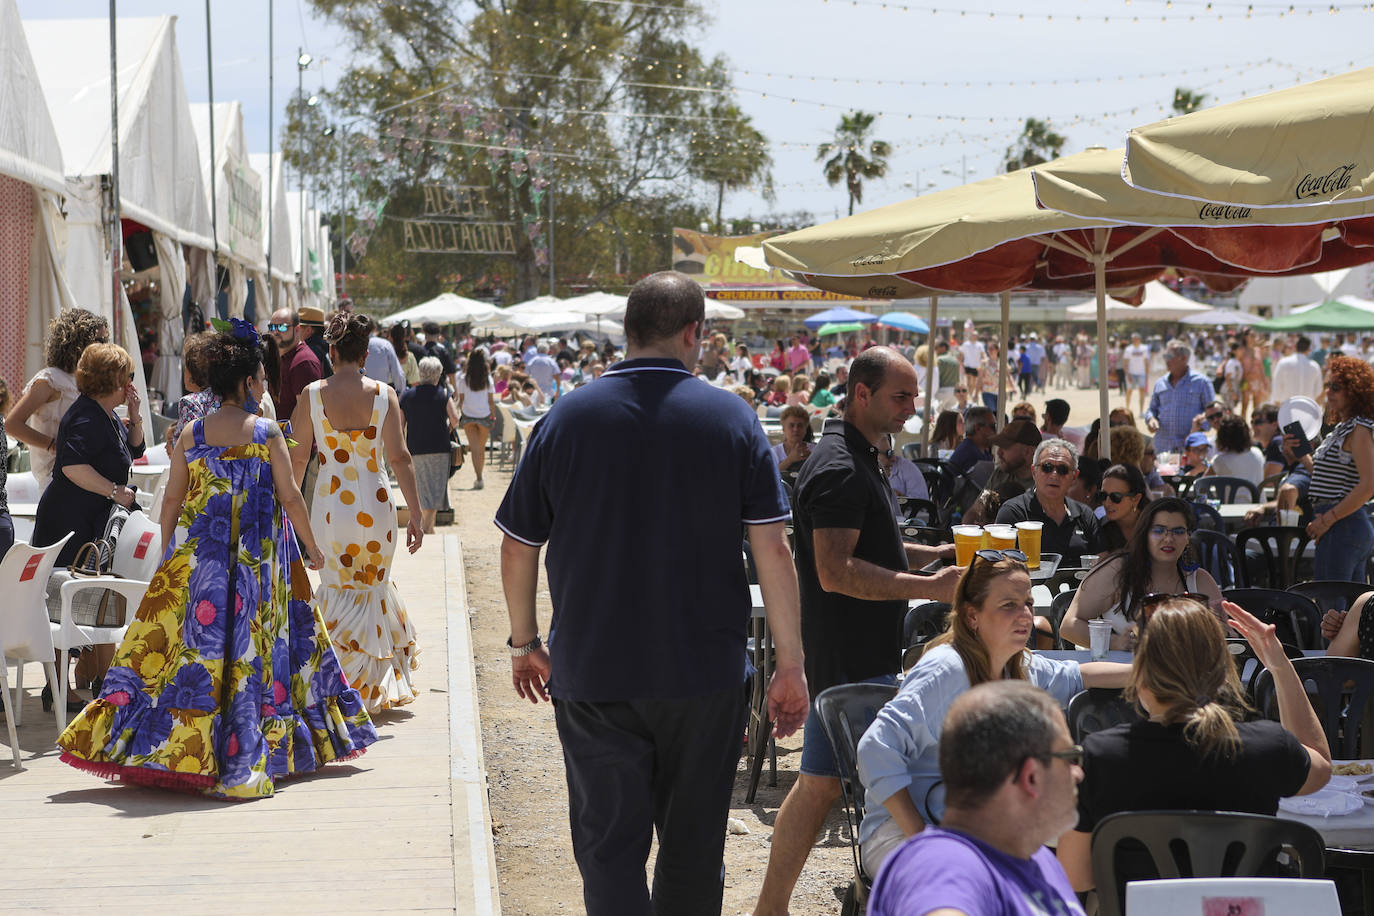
354, 521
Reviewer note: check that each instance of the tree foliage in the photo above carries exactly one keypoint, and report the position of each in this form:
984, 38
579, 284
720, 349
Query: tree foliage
1037, 144
605, 111
1187, 101
852, 157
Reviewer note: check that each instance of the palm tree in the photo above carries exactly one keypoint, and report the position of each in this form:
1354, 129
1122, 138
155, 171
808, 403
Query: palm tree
1037, 144
1187, 101
851, 157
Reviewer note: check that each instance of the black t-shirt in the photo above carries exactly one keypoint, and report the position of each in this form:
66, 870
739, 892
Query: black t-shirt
1273, 454
426, 411
841, 486
416, 350
1080, 532
437, 349
321, 350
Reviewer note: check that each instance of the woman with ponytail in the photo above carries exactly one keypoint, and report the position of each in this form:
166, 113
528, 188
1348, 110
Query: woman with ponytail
1194, 750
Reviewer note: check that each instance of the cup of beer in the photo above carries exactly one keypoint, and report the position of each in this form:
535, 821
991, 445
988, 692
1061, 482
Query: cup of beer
1001, 537
1028, 539
967, 540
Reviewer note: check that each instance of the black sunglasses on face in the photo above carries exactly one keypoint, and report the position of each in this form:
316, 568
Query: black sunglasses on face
1116, 498
1213, 417
1049, 467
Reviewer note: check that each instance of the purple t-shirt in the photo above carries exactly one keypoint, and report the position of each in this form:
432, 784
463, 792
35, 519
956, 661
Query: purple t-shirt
943, 868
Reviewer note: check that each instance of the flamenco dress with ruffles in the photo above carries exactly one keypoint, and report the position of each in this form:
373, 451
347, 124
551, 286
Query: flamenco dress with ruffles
354, 519
226, 681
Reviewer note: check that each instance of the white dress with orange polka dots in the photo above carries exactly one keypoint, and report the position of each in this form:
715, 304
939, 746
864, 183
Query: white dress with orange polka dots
354, 521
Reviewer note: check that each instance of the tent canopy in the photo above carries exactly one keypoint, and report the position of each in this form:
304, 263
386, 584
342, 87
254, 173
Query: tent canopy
29, 150
274, 212
159, 166
238, 224
1220, 317
1333, 315
1159, 304
445, 308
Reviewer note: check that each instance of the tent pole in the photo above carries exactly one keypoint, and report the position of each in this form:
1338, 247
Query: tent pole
1002, 356
271, 145
1104, 442
116, 222
929, 419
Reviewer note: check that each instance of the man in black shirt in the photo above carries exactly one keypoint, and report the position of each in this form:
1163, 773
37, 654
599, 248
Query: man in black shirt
312, 332
852, 568
434, 346
1070, 527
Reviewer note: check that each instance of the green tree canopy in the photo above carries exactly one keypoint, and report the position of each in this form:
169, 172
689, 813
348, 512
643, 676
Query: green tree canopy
732, 156
1187, 101
852, 157
1037, 144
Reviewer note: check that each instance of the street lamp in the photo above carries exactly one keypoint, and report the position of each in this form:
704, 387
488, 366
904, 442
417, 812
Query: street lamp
303, 62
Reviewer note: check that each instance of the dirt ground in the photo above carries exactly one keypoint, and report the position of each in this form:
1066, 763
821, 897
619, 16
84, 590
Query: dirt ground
529, 801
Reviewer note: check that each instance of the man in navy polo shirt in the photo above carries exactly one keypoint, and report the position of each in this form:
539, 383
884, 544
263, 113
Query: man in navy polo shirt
852, 567
646, 657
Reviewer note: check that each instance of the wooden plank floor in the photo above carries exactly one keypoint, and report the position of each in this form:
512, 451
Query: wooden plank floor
388, 832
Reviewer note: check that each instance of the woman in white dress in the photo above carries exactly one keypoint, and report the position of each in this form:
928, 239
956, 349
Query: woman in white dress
352, 420
36, 415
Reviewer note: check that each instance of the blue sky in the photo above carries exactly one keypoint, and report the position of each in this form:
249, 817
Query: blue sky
952, 85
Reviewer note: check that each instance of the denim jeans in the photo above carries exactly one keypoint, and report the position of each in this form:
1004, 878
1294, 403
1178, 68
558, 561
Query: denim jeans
1343, 552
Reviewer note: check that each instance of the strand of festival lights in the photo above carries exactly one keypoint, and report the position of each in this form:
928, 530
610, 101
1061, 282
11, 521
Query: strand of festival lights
1168, 14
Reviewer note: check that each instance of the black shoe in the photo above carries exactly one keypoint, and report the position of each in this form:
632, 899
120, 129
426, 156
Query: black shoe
74, 703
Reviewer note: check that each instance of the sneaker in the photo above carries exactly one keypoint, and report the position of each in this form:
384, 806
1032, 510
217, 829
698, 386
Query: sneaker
477, 485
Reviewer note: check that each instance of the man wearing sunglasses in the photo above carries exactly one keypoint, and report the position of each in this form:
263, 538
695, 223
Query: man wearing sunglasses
1011, 774
853, 573
1070, 527
299, 365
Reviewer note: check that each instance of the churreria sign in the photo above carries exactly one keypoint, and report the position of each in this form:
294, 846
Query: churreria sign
1338, 179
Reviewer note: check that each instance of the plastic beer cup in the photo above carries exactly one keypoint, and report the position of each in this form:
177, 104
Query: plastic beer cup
1028, 539
1099, 639
1002, 537
967, 540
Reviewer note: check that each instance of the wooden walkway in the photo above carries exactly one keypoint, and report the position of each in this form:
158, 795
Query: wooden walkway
404, 828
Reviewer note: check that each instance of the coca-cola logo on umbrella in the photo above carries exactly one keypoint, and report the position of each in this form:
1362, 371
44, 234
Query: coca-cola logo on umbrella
1338, 179
1222, 212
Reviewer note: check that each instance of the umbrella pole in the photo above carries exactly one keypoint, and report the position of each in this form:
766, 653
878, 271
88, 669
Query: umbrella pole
1002, 352
1104, 441
930, 380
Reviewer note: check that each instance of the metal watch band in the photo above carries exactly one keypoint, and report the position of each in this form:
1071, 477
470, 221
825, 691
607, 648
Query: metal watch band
526, 649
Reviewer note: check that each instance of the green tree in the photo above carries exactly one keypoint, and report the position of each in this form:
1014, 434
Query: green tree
852, 157
594, 104
1037, 144
1187, 101
731, 156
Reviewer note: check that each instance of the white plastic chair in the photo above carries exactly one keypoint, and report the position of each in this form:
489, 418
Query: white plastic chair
25, 632
1171, 897
138, 551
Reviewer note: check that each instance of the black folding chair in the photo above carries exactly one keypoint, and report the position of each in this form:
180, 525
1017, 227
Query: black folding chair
1065, 577
1295, 618
922, 623
1331, 594
1208, 519
1097, 708
1201, 844
846, 712
1217, 554
920, 512
911, 451
1058, 608
1340, 708
1279, 550
924, 534
1242, 654
1227, 489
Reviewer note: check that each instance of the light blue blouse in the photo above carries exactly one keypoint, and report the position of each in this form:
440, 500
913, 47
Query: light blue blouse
901, 749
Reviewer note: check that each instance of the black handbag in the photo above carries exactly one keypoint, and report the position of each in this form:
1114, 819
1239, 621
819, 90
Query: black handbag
455, 453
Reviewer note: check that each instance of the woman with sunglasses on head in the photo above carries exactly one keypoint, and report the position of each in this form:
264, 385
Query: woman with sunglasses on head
1124, 497
1157, 560
1343, 473
989, 623
1195, 750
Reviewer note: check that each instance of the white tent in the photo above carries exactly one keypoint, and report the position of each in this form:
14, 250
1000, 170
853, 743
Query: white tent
159, 166
31, 185
1220, 318
316, 279
1159, 304
275, 214
445, 308
539, 305
1284, 293
507, 324
237, 203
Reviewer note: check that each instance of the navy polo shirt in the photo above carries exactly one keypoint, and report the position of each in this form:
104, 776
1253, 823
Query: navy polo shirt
640, 483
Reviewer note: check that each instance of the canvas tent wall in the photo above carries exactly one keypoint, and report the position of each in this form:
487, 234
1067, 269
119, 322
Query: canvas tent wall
276, 234
33, 288
316, 278
1283, 294
159, 166
237, 190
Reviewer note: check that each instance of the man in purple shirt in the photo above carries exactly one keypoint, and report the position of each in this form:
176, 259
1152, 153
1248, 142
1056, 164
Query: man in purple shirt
1011, 775
798, 357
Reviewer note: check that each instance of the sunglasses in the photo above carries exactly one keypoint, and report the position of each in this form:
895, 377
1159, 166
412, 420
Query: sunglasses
1049, 467
997, 556
280, 328
1073, 756
1214, 417
1116, 498
961, 391
1160, 531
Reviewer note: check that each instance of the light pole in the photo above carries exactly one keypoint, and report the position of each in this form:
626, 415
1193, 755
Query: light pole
343, 212
303, 61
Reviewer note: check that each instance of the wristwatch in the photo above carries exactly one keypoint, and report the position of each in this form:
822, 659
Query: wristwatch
526, 649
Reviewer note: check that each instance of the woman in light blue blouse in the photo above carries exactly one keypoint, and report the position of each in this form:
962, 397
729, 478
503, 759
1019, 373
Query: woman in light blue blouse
990, 621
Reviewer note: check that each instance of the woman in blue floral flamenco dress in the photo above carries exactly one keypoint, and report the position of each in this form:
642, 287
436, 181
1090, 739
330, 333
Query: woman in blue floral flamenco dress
226, 681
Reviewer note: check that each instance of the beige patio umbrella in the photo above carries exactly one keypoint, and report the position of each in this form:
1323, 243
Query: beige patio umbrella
1305, 146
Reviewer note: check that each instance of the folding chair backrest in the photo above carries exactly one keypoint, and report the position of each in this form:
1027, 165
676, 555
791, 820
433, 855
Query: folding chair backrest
25, 631
1227, 489
1294, 616
1340, 710
1309, 896
1217, 554
922, 512
924, 622
846, 712
1331, 594
1097, 708
1281, 547
1200, 844
1059, 606
1208, 519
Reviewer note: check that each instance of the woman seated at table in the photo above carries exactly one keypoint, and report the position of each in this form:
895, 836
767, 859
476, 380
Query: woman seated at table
1236, 454
948, 432
1158, 560
1124, 497
1196, 750
795, 446
898, 756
